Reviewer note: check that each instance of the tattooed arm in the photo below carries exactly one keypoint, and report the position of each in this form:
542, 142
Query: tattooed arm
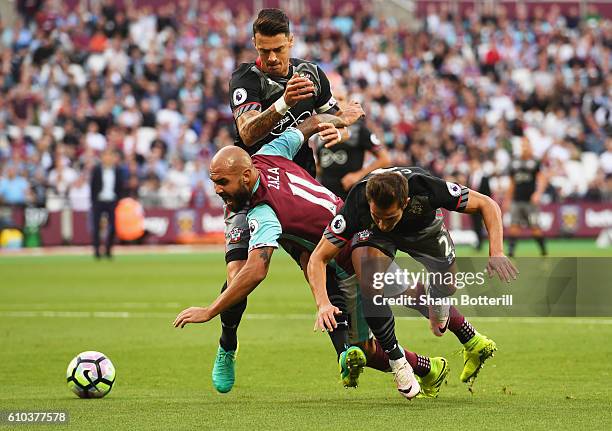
247, 279
253, 125
254, 272
319, 122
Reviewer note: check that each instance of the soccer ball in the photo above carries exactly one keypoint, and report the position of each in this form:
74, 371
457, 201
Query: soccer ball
90, 375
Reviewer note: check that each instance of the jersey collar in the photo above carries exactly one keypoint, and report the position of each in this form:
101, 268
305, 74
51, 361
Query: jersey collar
256, 185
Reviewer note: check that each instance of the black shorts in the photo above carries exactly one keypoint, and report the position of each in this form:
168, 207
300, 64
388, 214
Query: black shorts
236, 235
524, 214
433, 246
237, 238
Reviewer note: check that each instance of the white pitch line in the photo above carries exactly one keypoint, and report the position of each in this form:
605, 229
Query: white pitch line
43, 305
264, 316
84, 314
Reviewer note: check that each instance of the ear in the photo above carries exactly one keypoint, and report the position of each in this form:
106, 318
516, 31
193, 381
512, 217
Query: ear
405, 203
246, 176
253, 40
291, 40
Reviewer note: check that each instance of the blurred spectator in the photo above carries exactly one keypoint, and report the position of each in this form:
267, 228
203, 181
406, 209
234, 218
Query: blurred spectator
13, 187
149, 192
605, 160
176, 189
95, 140
79, 194
61, 177
38, 188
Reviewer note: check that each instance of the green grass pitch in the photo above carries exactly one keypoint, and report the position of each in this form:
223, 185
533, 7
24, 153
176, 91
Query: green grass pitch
548, 373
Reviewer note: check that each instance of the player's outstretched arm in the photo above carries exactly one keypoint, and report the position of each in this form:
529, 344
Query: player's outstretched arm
320, 257
492, 217
248, 278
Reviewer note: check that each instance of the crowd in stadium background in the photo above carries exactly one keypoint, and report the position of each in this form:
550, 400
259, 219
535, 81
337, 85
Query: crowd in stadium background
457, 96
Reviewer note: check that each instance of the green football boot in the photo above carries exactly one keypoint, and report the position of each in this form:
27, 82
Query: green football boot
475, 352
431, 383
351, 363
223, 374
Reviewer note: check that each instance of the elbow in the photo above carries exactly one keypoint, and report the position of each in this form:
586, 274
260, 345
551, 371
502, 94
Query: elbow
246, 139
491, 205
319, 259
246, 136
314, 263
494, 204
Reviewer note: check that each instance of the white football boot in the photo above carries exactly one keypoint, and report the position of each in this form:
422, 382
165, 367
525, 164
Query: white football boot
407, 384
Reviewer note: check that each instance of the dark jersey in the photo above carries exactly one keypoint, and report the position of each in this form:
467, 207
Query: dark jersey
251, 89
524, 173
341, 159
427, 195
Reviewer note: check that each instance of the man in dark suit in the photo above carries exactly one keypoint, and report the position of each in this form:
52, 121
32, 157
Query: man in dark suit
106, 190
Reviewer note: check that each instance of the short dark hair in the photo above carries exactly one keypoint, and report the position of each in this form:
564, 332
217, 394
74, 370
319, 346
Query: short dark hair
271, 22
386, 189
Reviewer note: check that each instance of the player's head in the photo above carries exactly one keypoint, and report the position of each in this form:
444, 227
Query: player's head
234, 176
387, 195
273, 41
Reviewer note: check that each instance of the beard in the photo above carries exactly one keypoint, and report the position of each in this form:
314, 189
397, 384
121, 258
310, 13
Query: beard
238, 200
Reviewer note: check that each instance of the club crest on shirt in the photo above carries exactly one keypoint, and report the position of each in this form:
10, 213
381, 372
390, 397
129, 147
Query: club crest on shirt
415, 207
364, 235
235, 235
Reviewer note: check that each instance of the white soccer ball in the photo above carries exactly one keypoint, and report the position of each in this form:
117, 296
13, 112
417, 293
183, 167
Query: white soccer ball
90, 375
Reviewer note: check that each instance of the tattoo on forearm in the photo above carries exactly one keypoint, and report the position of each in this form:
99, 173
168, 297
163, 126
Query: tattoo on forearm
260, 126
265, 255
310, 126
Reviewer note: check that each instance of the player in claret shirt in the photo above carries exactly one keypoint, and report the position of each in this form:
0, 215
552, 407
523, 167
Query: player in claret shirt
399, 209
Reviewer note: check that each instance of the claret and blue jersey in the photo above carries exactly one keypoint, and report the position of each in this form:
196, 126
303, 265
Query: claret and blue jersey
287, 202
